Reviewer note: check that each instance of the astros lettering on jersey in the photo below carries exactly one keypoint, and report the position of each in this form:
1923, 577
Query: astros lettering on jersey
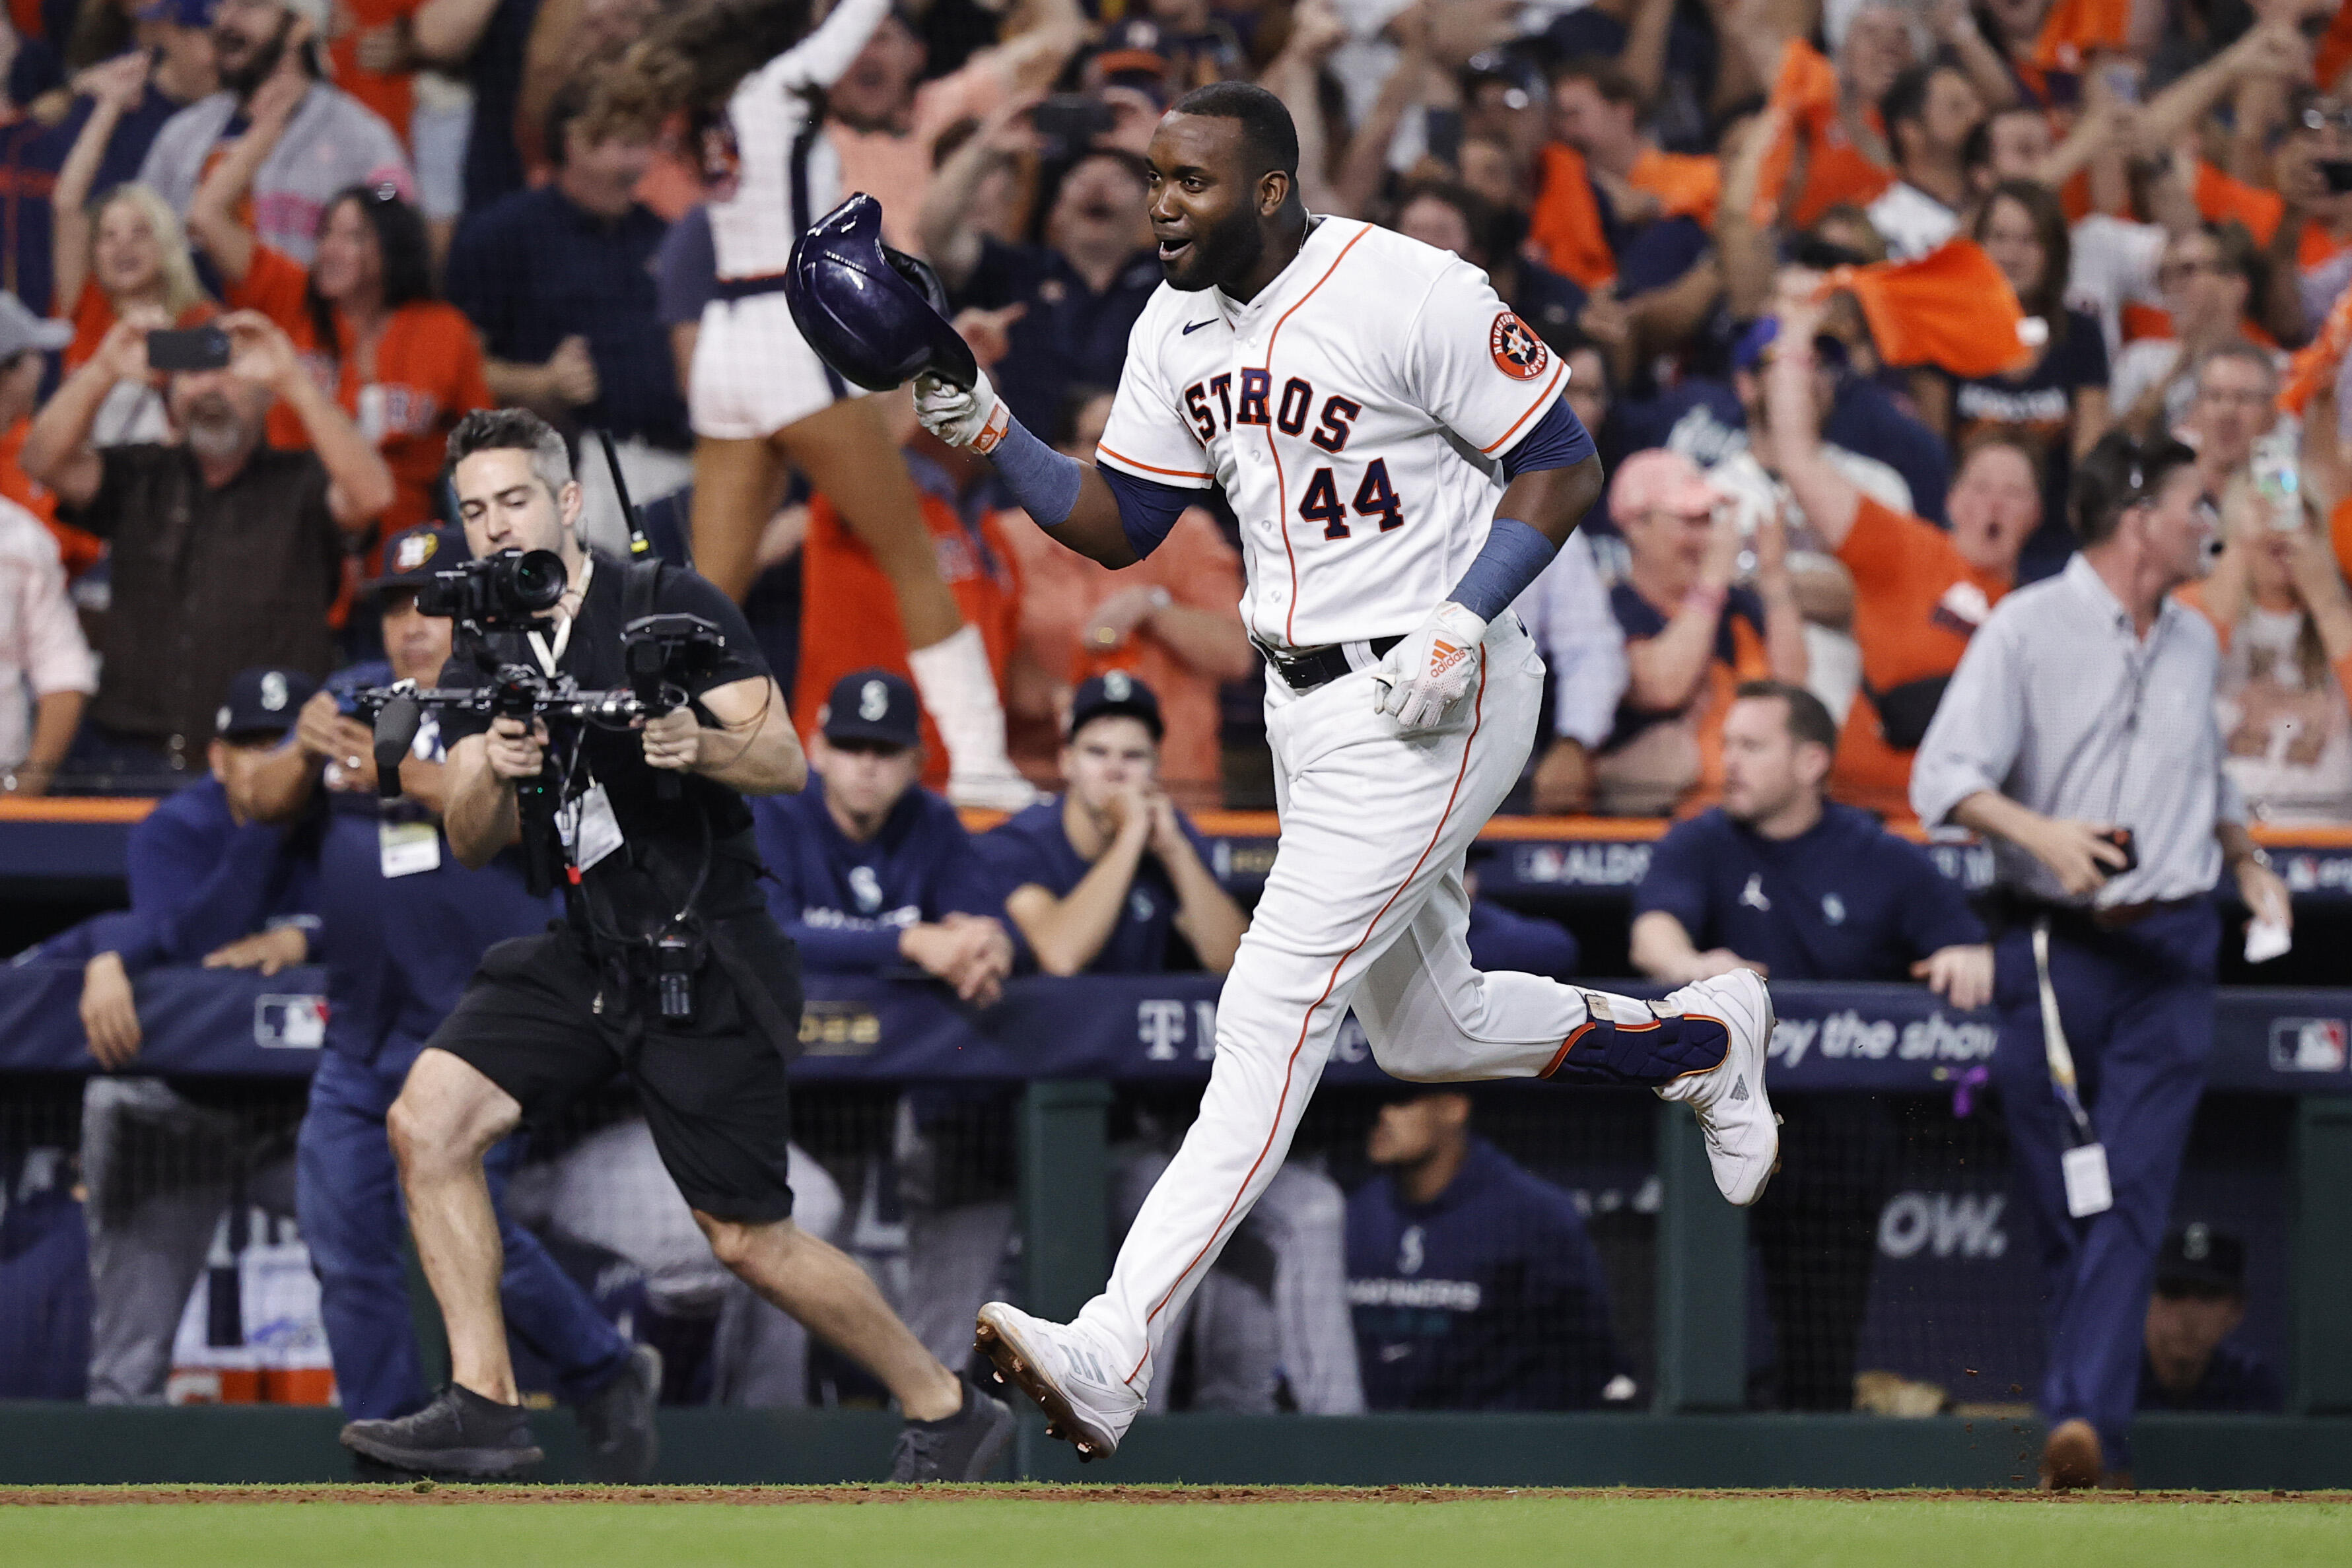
1354, 414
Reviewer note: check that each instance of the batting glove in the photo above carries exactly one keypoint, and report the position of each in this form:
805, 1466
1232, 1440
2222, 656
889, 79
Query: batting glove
977, 419
1430, 671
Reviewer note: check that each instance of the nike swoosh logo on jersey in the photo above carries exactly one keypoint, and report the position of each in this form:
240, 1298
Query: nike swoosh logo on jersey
1198, 325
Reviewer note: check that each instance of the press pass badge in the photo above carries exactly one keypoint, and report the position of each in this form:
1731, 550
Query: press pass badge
405, 849
588, 830
2087, 1192
2083, 1166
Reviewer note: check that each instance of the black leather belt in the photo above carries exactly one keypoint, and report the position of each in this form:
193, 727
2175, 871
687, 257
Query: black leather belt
1304, 669
733, 288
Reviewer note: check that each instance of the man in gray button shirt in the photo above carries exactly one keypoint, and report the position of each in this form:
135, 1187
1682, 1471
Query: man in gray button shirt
2084, 707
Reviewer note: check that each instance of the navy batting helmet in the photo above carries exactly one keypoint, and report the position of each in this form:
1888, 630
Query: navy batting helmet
875, 315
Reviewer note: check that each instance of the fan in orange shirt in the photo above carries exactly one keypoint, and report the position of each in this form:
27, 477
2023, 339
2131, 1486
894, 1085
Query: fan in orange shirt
1173, 620
849, 614
1833, 117
373, 61
1919, 593
404, 365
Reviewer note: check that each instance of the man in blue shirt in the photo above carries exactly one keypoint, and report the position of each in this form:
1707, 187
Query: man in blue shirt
560, 279
1106, 874
1473, 1284
872, 873
869, 872
402, 926
205, 879
1781, 880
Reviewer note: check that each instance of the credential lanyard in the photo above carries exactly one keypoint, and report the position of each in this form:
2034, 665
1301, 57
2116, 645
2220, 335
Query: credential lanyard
2083, 1166
549, 655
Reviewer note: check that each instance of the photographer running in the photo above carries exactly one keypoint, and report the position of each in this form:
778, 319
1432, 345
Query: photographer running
668, 967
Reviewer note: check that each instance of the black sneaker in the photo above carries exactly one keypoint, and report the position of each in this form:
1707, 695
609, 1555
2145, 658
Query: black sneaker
959, 1448
618, 1420
460, 1434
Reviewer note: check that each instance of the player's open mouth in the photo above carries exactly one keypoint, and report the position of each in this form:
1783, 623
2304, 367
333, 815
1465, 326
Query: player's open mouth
1169, 249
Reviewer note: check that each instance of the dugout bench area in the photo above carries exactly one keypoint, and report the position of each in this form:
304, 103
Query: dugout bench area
2273, 1154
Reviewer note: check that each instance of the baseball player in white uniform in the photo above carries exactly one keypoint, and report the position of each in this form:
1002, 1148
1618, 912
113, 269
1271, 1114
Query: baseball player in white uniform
1396, 446
758, 395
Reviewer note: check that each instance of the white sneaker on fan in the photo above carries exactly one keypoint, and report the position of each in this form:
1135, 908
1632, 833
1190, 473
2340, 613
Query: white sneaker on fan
1743, 1136
1060, 1367
1006, 792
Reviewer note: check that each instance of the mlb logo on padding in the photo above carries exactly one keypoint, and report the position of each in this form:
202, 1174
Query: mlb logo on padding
2307, 1045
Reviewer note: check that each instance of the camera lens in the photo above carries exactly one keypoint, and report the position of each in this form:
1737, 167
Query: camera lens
535, 579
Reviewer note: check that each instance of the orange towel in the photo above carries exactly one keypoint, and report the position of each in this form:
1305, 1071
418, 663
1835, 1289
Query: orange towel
2316, 363
2074, 30
1566, 224
2221, 199
1685, 186
1951, 308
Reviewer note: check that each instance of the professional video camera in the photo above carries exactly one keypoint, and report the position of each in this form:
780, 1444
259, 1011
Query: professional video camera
509, 591
511, 594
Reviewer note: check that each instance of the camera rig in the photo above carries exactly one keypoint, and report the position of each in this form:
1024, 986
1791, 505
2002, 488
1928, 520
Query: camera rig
512, 592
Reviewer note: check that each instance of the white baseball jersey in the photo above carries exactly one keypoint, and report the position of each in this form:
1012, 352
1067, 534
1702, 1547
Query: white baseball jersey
788, 176
1354, 414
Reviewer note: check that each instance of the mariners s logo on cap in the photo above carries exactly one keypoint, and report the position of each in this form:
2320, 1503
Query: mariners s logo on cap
273, 692
1119, 687
1518, 353
873, 701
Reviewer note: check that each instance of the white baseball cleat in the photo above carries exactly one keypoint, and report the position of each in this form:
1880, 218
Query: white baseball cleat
1743, 1136
1058, 1366
990, 790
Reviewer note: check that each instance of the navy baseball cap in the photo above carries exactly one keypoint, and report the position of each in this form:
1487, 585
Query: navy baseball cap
2197, 1257
1749, 352
872, 706
262, 701
178, 12
413, 557
1115, 695
1134, 47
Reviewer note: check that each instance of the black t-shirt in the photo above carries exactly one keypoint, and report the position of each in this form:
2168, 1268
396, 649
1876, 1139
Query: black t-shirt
2037, 407
657, 832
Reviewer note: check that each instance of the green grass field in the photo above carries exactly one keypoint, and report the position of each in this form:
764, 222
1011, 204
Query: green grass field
981, 1529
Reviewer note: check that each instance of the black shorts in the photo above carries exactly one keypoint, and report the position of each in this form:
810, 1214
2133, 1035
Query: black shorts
712, 1089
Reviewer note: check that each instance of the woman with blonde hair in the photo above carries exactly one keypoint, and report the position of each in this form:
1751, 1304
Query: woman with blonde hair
125, 251
2281, 608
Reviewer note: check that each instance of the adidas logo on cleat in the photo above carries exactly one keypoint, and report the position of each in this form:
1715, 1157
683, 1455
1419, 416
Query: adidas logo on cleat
1739, 1090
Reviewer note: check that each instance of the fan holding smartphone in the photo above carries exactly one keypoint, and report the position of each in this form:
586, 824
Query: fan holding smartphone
123, 250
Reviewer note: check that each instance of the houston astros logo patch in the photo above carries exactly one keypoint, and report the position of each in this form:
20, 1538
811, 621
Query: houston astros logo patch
1519, 353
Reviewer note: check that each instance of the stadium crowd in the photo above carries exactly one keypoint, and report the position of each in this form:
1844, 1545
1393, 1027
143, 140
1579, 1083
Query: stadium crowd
1851, 293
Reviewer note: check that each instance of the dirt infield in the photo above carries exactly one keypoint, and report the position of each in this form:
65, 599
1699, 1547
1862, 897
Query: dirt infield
437, 1493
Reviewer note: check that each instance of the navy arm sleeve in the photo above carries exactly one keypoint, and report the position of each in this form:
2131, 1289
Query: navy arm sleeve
1147, 509
1557, 440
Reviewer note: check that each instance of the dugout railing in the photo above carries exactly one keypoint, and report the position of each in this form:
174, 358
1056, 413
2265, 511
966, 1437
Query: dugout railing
1070, 1055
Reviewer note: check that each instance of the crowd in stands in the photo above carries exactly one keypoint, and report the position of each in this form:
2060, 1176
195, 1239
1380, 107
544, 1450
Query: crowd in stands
1847, 290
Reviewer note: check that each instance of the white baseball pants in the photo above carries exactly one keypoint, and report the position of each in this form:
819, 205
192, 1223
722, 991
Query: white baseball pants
1364, 908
